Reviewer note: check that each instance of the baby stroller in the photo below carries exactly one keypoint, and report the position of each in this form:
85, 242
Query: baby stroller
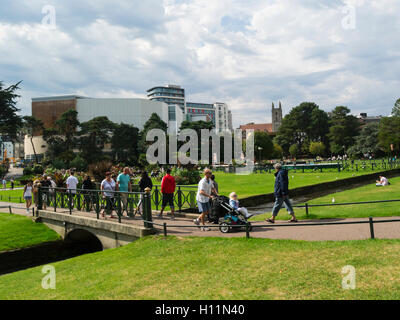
231, 219
217, 210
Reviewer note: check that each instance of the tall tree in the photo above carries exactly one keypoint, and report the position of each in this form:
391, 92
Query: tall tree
304, 124
366, 142
154, 122
396, 109
343, 130
62, 138
10, 121
95, 134
263, 145
124, 143
32, 126
389, 134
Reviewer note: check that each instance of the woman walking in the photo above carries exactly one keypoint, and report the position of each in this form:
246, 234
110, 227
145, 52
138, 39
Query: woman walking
28, 190
108, 188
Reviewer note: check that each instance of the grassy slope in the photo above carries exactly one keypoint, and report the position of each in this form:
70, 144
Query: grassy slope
255, 184
366, 193
16, 196
215, 268
20, 232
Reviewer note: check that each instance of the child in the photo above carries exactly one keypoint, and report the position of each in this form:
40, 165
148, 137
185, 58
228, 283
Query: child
234, 203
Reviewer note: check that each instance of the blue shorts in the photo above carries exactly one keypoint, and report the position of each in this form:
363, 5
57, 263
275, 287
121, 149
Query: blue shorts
204, 206
28, 198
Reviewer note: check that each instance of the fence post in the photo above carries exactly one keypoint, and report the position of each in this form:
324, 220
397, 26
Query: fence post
179, 199
55, 200
307, 209
247, 231
156, 195
9, 208
147, 216
165, 229
33, 211
70, 201
371, 227
119, 207
97, 206
40, 199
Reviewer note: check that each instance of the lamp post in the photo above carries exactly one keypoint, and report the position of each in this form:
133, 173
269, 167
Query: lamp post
259, 154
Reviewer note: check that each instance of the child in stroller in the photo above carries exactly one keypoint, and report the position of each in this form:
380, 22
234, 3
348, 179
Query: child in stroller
233, 217
234, 203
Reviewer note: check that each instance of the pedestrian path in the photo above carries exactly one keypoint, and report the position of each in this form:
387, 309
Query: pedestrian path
299, 232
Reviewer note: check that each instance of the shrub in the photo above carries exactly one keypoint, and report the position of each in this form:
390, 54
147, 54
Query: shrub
186, 176
98, 170
38, 169
27, 171
79, 164
59, 164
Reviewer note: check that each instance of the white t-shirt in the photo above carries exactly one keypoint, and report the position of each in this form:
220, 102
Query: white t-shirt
206, 186
72, 182
384, 181
108, 186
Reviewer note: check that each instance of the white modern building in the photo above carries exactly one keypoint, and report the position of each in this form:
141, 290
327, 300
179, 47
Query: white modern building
130, 111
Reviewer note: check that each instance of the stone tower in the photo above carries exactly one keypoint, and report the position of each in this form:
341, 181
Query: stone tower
276, 117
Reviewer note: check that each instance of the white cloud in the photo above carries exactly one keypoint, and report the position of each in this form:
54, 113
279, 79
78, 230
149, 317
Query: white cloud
247, 54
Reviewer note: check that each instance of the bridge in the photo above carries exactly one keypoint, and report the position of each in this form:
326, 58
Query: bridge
76, 216
83, 228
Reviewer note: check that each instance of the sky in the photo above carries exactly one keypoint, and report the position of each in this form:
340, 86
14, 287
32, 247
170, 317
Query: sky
247, 54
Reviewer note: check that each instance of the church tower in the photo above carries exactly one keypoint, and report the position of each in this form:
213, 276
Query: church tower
276, 117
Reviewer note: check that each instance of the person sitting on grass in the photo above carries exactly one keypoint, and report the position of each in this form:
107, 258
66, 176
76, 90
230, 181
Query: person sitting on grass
382, 182
234, 203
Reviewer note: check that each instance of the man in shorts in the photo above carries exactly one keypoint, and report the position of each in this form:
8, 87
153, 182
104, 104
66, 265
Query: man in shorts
168, 185
124, 185
205, 193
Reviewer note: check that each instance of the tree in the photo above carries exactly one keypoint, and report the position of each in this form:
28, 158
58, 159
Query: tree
317, 148
124, 143
304, 124
278, 151
62, 138
154, 122
366, 142
32, 126
294, 150
343, 130
10, 121
263, 140
94, 135
396, 109
389, 134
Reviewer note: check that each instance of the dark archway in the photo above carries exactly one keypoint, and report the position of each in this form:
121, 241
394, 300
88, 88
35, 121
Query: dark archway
83, 241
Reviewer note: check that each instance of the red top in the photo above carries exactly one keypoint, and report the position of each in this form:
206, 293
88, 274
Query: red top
168, 184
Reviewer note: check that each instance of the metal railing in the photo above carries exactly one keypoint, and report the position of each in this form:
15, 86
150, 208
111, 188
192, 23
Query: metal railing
95, 201
248, 227
184, 197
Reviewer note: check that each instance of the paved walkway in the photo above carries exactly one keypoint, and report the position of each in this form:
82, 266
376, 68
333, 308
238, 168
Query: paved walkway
299, 232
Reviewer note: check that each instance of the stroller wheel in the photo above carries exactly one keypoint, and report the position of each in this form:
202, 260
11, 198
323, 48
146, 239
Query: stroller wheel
224, 227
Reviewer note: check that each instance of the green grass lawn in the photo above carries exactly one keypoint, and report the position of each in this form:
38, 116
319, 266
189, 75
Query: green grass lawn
216, 268
20, 232
366, 193
15, 196
256, 184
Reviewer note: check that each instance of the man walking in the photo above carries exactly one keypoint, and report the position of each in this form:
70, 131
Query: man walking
281, 194
205, 192
124, 185
168, 185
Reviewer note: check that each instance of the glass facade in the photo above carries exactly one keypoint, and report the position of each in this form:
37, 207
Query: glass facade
171, 95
